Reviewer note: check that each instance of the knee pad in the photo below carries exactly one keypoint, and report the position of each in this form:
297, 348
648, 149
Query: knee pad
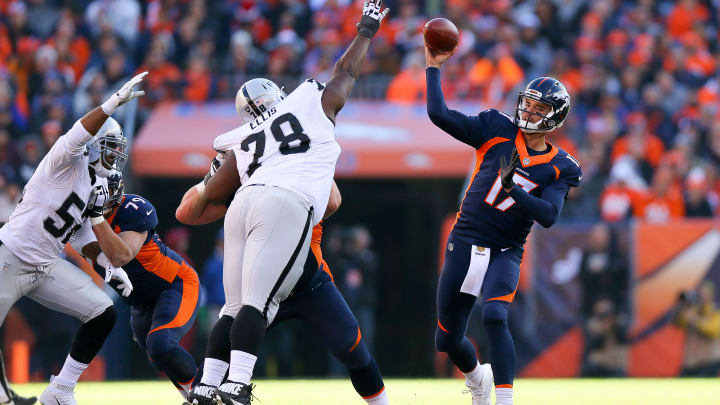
495, 312
160, 341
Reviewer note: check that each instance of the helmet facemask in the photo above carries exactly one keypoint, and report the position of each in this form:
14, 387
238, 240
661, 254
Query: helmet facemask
107, 152
545, 123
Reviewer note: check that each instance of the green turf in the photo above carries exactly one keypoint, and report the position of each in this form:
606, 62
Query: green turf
420, 391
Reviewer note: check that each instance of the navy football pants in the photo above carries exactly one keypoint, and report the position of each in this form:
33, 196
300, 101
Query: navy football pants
324, 309
454, 308
158, 330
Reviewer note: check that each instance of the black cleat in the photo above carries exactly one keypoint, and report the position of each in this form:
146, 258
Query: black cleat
18, 400
201, 394
234, 393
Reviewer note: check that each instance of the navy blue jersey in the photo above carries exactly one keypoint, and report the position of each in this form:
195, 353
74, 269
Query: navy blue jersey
488, 215
156, 266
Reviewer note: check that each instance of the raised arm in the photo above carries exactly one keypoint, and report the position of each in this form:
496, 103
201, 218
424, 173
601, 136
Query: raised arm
347, 69
72, 144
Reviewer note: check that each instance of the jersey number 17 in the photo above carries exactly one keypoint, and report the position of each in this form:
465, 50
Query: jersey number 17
524, 183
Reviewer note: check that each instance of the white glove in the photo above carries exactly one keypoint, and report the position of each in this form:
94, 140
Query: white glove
115, 273
124, 95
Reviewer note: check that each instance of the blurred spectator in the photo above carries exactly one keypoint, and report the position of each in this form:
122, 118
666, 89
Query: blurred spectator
697, 203
211, 279
178, 239
606, 344
623, 190
604, 272
697, 313
356, 275
9, 197
663, 201
120, 16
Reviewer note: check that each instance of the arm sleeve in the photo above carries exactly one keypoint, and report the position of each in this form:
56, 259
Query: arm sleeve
474, 130
544, 209
69, 146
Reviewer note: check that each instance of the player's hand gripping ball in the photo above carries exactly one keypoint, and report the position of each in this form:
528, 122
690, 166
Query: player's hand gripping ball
441, 35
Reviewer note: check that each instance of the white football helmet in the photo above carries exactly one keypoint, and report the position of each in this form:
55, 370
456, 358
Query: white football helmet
257, 96
107, 149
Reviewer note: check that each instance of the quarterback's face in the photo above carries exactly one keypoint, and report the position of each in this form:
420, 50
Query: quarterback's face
534, 110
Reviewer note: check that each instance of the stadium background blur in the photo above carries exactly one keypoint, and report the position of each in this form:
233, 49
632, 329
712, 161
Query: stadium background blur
623, 285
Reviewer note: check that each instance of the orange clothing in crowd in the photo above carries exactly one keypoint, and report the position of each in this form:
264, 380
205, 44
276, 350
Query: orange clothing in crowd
407, 87
163, 75
654, 149
484, 70
79, 52
654, 208
681, 19
198, 85
617, 201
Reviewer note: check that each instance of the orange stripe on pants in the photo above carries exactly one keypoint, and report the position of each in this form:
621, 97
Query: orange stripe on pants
191, 288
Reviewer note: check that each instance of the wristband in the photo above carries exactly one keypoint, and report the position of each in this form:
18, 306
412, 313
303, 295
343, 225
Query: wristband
111, 104
96, 220
200, 187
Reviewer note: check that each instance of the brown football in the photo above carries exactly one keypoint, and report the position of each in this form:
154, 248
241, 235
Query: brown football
441, 35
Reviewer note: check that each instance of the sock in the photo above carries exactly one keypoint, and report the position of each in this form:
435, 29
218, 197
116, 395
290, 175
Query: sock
504, 395
214, 372
71, 371
241, 366
378, 399
475, 376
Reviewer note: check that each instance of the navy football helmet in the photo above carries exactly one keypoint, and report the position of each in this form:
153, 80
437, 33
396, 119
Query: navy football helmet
116, 191
547, 91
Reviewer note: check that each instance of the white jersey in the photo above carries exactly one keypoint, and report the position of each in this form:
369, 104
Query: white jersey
51, 211
292, 145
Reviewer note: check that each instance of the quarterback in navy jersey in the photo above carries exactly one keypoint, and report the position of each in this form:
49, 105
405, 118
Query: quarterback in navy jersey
519, 178
165, 295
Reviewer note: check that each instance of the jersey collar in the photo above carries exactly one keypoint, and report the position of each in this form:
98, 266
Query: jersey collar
525, 159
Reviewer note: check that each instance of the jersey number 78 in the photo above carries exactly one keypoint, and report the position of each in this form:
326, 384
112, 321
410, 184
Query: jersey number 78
279, 133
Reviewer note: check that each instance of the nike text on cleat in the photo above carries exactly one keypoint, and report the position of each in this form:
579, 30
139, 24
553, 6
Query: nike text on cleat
201, 394
234, 393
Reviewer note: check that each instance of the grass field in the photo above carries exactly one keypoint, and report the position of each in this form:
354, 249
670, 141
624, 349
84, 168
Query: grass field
421, 391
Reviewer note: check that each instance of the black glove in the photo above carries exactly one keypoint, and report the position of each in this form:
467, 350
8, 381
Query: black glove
370, 21
508, 169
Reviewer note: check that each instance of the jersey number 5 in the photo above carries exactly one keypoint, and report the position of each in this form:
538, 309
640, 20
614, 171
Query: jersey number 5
280, 135
521, 181
68, 220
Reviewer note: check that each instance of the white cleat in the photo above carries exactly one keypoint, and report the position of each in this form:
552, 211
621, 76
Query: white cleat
58, 393
481, 393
